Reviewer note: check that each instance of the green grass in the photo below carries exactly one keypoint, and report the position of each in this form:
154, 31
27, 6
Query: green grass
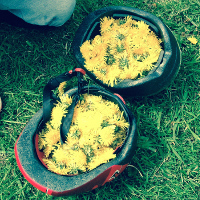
166, 163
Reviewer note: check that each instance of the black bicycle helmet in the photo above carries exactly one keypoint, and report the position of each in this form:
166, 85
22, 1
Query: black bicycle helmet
167, 65
29, 158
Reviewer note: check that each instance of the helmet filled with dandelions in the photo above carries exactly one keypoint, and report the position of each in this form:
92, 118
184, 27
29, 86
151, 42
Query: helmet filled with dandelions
80, 139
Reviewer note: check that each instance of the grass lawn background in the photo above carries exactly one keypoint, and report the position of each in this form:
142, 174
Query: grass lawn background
166, 163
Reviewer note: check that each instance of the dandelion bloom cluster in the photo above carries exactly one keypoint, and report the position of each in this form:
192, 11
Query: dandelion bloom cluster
126, 49
98, 127
193, 40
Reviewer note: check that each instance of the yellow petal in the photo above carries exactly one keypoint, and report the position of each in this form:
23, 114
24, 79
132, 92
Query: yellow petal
193, 40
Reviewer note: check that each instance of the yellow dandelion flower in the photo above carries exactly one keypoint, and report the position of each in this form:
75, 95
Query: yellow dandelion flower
127, 23
75, 168
65, 99
153, 41
88, 121
105, 24
77, 157
41, 143
111, 77
57, 113
48, 126
41, 140
90, 138
113, 108
129, 73
61, 88
90, 65
142, 27
61, 155
101, 156
193, 40
56, 168
107, 135
52, 136
48, 149
119, 121
106, 37
86, 49
97, 40
62, 170
139, 51
72, 143
84, 140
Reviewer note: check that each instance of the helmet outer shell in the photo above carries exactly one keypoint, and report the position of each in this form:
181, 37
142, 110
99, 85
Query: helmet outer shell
54, 184
159, 77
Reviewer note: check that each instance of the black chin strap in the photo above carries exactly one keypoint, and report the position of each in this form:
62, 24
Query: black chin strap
49, 99
66, 121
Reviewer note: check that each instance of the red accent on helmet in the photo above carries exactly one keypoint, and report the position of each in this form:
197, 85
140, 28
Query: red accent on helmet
120, 98
80, 70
